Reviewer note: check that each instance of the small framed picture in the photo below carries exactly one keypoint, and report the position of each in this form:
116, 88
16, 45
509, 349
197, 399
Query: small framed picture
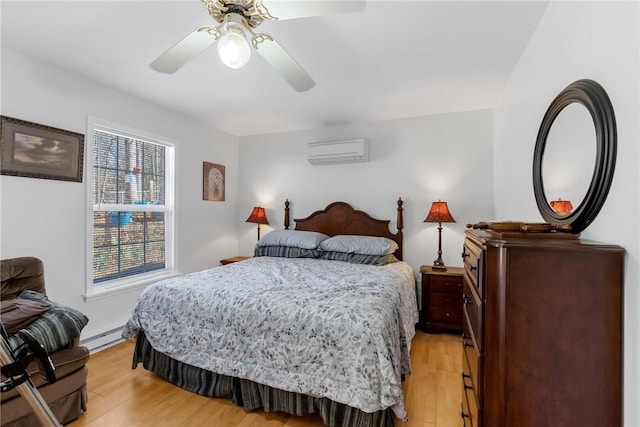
212, 182
38, 151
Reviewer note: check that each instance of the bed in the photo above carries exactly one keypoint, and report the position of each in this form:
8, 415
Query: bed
305, 326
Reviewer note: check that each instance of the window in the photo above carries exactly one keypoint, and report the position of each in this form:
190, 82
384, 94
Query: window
132, 207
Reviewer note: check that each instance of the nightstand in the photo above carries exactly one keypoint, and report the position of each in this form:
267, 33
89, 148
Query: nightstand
233, 259
441, 299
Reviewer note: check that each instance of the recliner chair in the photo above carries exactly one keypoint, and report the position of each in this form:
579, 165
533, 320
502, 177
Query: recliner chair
67, 397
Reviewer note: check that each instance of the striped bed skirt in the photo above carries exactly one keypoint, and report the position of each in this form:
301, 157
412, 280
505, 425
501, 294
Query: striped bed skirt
251, 395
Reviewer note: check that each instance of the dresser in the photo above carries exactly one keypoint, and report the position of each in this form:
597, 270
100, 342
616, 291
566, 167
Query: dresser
441, 299
542, 331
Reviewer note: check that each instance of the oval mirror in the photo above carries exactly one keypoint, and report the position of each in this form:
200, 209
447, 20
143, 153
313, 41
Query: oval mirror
575, 155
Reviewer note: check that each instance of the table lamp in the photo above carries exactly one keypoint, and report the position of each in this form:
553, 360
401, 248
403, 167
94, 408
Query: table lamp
258, 216
439, 213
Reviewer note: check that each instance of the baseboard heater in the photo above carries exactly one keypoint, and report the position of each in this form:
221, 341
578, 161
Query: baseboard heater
103, 340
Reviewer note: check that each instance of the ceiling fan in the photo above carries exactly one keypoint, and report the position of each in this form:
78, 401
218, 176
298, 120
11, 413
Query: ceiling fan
236, 21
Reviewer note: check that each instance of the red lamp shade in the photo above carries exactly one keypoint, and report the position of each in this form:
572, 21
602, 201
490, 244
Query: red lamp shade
439, 212
562, 207
258, 216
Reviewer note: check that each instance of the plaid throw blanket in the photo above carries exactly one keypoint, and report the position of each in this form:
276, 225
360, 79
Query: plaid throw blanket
54, 328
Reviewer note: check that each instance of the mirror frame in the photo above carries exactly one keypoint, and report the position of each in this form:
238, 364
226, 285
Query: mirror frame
593, 96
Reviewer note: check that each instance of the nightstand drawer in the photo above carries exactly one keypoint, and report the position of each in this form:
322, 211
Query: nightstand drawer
452, 301
448, 284
446, 315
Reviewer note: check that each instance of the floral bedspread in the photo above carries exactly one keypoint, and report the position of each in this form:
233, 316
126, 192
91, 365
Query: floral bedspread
323, 328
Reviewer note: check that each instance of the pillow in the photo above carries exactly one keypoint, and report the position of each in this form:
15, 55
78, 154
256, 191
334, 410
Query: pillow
285, 252
293, 238
365, 245
359, 258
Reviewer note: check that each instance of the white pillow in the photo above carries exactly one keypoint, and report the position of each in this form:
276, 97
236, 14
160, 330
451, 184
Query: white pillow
293, 238
366, 245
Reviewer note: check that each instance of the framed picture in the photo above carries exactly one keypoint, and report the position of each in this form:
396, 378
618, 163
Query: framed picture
37, 151
212, 182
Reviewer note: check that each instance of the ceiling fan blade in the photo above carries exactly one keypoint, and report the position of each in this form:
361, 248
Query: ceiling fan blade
187, 48
291, 9
282, 62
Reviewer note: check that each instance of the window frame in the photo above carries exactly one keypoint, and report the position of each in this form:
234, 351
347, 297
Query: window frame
109, 287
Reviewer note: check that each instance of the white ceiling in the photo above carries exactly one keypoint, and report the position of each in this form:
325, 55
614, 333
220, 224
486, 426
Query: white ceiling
395, 59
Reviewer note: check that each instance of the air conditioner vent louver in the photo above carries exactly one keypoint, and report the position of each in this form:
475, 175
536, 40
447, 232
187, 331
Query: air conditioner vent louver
330, 152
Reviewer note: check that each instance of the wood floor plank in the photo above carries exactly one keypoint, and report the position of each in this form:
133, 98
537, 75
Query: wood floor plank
121, 396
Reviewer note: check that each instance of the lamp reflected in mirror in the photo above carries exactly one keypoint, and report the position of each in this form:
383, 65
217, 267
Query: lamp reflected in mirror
561, 207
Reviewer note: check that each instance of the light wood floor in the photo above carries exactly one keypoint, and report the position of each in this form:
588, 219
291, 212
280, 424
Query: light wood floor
120, 396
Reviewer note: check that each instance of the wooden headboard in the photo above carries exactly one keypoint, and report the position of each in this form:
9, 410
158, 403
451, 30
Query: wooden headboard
341, 218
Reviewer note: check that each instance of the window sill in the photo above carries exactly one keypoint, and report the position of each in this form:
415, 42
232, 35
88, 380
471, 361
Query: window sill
122, 286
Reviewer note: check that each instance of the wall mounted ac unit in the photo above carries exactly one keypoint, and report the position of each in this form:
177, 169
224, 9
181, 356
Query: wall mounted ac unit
330, 152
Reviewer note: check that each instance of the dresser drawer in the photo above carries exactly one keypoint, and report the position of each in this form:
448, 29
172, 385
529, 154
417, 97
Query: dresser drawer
471, 383
446, 284
471, 363
472, 309
472, 259
469, 405
467, 421
471, 409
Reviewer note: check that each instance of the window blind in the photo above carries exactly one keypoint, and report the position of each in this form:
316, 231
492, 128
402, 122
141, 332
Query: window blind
129, 209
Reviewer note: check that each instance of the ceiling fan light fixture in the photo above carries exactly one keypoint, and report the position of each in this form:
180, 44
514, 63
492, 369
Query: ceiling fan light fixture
233, 48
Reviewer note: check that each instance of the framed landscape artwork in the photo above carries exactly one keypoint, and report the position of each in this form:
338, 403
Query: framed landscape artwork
38, 151
212, 182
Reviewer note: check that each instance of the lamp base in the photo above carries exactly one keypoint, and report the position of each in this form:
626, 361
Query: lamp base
438, 265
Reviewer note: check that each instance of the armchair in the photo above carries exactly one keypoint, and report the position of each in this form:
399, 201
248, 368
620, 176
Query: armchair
58, 329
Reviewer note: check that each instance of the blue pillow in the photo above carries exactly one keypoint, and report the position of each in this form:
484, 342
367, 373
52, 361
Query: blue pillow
293, 238
365, 245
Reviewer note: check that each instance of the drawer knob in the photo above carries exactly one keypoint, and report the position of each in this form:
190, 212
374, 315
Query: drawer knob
464, 415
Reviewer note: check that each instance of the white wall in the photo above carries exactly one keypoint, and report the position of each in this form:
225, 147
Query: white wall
46, 218
576, 40
420, 159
